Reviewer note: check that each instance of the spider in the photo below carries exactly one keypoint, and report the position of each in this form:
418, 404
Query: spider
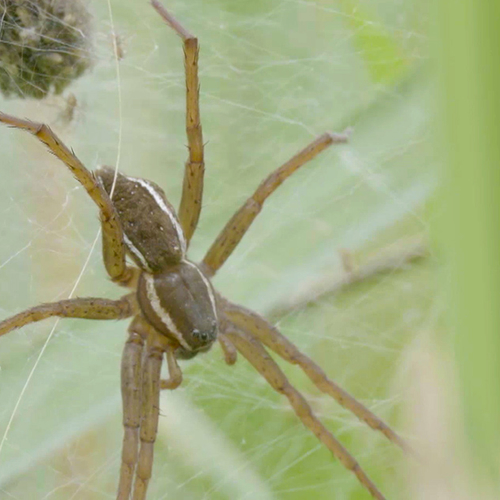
175, 311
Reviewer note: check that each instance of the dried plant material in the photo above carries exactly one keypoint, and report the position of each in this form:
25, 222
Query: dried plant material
44, 46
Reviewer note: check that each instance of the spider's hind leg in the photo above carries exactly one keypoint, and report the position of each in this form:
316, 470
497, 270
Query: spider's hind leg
192, 188
112, 237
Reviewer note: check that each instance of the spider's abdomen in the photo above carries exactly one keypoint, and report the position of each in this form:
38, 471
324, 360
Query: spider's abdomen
181, 304
152, 232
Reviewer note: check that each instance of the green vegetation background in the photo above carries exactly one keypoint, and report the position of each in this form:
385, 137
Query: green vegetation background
273, 76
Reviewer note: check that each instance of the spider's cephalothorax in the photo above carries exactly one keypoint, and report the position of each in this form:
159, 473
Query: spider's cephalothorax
174, 295
175, 311
180, 303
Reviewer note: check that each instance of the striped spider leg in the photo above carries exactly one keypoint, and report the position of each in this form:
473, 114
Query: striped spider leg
176, 312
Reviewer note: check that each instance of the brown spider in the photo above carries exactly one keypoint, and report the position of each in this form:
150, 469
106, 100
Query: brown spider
175, 310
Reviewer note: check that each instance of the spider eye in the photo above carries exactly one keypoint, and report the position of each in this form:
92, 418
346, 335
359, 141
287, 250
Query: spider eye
205, 336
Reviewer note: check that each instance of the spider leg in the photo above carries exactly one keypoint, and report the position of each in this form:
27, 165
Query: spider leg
238, 225
85, 308
131, 385
112, 238
257, 326
257, 356
192, 189
156, 345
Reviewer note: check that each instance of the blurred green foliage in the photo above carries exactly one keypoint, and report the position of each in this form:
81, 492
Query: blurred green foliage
468, 230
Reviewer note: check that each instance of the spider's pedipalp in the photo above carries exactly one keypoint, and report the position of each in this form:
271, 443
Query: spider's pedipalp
257, 356
174, 372
230, 352
229, 238
276, 341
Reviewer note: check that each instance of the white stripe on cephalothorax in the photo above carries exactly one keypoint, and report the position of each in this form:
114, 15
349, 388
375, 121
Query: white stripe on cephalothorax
161, 203
136, 252
208, 285
165, 318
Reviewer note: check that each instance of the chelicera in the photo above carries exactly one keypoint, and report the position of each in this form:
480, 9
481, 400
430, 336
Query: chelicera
175, 311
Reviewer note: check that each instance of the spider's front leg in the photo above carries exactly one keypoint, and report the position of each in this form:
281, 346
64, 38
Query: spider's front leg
157, 345
131, 385
141, 368
257, 356
113, 247
258, 327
